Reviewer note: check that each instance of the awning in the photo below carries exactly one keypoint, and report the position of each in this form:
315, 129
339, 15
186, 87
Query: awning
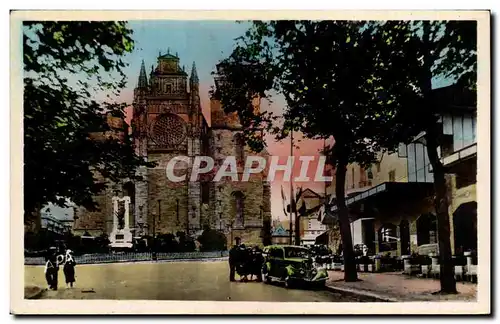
394, 191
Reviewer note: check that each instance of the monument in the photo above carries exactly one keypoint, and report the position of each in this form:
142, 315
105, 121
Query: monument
121, 236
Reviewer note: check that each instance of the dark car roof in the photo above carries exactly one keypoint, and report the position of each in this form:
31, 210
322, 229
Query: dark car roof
286, 246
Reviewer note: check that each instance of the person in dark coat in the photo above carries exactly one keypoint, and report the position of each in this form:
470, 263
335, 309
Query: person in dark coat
234, 255
256, 263
69, 268
52, 269
243, 263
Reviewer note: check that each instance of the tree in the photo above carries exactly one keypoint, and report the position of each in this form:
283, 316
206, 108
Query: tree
447, 50
335, 83
212, 240
66, 66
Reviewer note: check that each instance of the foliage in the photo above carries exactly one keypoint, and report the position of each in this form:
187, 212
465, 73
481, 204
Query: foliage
66, 66
445, 49
166, 243
186, 243
336, 78
212, 240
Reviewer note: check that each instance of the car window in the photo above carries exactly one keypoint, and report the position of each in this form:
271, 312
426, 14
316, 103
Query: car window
296, 253
276, 253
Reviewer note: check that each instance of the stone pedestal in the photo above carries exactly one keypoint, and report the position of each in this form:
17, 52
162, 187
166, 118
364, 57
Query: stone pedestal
435, 268
407, 269
121, 237
470, 269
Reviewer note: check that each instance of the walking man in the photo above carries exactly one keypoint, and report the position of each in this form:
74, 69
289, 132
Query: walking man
234, 255
52, 269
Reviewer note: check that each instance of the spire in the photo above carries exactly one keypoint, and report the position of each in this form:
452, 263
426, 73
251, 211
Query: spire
194, 74
143, 80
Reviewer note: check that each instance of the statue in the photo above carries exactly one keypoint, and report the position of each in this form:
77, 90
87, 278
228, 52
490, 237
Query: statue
120, 215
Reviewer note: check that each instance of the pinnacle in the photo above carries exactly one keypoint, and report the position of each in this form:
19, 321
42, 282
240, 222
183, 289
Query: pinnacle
194, 74
143, 80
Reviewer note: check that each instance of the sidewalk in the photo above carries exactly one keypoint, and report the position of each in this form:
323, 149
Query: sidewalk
396, 287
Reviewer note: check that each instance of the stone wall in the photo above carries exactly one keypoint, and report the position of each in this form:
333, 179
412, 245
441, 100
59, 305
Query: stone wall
256, 192
168, 192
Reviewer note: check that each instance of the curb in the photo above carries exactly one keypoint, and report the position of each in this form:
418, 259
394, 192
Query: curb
362, 293
35, 295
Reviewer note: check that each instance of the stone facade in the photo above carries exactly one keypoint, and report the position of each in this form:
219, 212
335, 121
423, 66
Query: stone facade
168, 122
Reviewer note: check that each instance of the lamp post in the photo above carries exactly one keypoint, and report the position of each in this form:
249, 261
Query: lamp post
220, 221
230, 229
153, 213
177, 211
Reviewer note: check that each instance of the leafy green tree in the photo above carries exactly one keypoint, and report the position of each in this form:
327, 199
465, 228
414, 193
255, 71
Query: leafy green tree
212, 240
443, 50
335, 79
66, 66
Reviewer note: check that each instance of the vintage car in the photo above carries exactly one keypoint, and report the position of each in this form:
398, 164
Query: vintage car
321, 254
292, 265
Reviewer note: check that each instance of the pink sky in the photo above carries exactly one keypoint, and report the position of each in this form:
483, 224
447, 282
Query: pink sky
281, 149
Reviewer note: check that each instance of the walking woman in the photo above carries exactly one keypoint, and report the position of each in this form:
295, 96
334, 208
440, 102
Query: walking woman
69, 268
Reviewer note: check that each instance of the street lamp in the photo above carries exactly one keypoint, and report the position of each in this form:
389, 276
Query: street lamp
140, 222
220, 221
153, 213
230, 229
177, 211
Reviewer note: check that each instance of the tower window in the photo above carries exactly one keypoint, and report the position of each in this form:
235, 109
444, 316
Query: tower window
239, 206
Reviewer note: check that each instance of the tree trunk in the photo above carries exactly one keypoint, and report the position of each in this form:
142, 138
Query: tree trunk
447, 271
350, 273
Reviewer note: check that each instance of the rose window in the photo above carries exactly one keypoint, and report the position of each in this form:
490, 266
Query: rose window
169, 129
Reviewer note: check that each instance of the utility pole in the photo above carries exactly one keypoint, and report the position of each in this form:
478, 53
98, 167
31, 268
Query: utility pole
324, 153
291, 190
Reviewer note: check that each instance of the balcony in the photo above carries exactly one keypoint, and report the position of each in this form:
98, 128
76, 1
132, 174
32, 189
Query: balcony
458, 156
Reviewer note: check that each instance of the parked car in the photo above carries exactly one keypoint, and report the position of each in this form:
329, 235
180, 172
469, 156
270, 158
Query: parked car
321, 254
292, 265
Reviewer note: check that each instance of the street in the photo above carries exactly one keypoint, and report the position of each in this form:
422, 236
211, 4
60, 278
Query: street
194, 280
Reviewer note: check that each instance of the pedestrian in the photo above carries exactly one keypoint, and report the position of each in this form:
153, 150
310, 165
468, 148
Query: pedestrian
234, 258
52, 269
244, 262
69, 268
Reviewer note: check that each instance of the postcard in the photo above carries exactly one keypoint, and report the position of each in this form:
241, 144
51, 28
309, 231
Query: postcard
196, 162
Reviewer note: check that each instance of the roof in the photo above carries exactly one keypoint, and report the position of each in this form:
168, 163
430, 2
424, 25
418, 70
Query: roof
310, 191
397, 191
168, 56
455, 98
279, 231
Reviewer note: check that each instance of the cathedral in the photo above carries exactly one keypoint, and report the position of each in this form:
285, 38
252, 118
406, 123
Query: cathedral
168, 122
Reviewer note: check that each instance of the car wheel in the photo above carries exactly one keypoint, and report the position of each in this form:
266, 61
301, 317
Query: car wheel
320, 285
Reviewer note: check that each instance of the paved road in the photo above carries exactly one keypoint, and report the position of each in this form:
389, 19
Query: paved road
171, 281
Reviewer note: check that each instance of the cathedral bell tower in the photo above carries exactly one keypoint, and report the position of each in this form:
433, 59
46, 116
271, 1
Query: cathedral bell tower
169, 123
